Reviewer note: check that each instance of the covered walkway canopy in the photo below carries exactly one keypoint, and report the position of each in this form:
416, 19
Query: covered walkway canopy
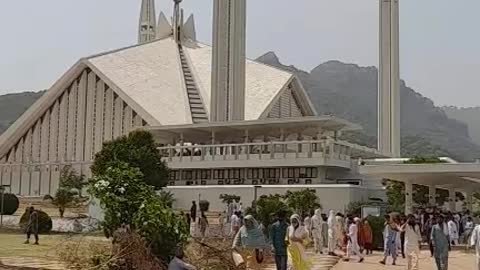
462, 177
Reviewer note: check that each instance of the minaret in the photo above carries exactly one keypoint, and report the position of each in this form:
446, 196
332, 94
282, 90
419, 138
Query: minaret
147, 25
228, 61
389, 80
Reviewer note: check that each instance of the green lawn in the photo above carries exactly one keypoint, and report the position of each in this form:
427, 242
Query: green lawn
12, 244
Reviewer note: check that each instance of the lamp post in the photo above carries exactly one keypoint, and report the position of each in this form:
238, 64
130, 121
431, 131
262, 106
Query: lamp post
255, 195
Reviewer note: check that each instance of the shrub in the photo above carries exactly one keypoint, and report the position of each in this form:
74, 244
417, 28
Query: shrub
377, 224
162, 229
121, 191
44, 221
167, 198
11, 204
204, 205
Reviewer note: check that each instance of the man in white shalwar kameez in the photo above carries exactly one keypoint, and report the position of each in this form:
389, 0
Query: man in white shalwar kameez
332, 239
317, 233
475, 242
352, 246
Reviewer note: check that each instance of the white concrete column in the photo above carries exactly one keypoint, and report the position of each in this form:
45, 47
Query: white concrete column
389, 79
469, 200
451, 199
408, 197
432, 195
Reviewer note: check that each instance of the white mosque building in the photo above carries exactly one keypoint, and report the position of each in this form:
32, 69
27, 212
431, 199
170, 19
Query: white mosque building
226, 124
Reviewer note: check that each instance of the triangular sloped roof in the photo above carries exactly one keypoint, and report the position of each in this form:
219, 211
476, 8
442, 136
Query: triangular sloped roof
150, 75
149, 78
263, 82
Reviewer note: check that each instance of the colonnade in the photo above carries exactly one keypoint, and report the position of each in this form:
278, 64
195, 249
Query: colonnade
432, 197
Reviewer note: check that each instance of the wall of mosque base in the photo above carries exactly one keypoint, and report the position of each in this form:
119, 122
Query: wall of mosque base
332, 197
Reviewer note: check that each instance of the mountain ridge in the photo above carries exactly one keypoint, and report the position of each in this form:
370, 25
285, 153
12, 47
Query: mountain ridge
350, 91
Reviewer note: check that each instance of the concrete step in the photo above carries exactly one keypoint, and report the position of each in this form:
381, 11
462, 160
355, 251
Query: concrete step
197, 110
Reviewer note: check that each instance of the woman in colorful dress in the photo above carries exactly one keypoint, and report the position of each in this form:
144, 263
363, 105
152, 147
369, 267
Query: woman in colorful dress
250, 243
298, 239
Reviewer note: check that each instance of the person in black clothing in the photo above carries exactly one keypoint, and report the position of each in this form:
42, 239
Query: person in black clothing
403, 220
193, 211
32, 225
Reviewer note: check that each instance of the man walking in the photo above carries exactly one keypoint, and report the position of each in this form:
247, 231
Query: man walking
279, 246
352, 246
317, 234
332, 237
193, 211
32, 225
440, 245
475, 242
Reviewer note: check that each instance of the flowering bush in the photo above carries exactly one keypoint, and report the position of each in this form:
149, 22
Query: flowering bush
121, 191
127, 200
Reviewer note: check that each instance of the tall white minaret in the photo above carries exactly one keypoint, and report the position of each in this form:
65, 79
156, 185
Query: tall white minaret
389, 80
147, 25
228, 61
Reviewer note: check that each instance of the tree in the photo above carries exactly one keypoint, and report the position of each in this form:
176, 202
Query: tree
302, 202
266, 206
138, 150
71, 180
229, 198
69, 192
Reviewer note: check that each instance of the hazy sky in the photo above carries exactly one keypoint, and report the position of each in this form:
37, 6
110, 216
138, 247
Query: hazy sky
440, 39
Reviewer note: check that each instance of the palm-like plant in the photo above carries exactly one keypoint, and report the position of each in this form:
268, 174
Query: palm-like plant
167, 197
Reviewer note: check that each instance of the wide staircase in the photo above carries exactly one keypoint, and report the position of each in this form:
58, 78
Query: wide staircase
197, 108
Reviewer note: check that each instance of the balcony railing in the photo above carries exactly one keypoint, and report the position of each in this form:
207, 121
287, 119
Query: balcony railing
325, 149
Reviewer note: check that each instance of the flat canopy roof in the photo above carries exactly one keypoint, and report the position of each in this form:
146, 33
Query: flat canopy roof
235, 131
462, 176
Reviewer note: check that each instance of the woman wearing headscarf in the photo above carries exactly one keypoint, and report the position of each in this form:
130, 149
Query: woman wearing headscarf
250, 242
298, 238
332, 238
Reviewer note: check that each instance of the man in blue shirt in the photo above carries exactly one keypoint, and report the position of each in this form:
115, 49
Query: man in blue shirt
278, 238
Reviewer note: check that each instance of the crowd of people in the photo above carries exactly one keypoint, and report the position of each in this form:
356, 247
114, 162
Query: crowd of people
353, 237
403, 236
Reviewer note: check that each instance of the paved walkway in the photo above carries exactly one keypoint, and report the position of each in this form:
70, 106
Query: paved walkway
458, 260
320, 262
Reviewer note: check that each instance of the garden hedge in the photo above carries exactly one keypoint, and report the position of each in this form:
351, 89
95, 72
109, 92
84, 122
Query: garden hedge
11, 204
44, 221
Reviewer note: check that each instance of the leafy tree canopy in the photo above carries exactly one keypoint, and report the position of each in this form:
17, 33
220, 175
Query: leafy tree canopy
302, 202
138, 150
229, 198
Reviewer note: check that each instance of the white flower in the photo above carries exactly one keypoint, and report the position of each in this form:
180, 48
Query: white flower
119, 215
142, 206
121, 190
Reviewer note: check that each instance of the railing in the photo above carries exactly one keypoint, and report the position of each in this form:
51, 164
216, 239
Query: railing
257, 151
